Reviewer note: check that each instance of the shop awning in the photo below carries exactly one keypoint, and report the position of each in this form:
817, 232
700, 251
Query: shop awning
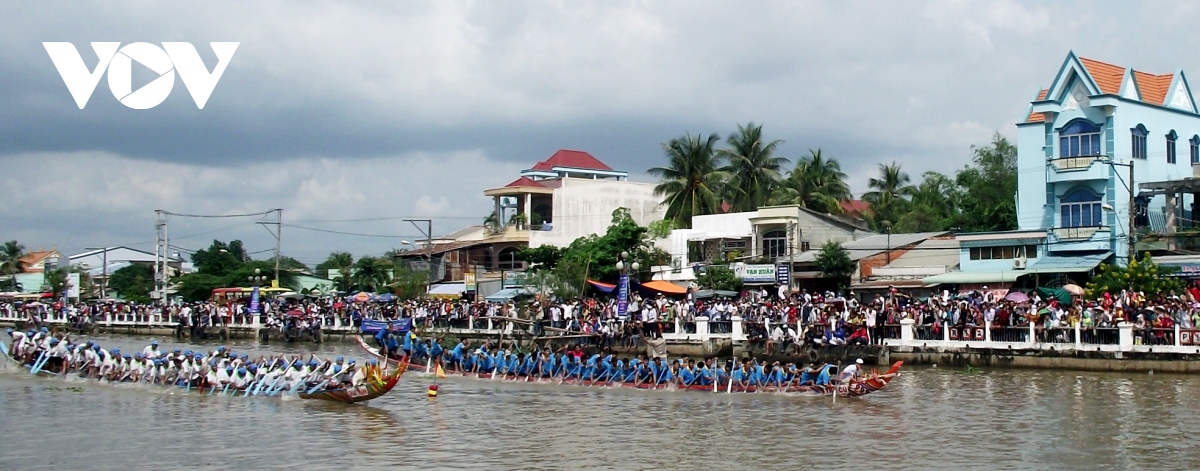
970, 277
506, 294
1076, 264
664, 287
447, 290
602, 287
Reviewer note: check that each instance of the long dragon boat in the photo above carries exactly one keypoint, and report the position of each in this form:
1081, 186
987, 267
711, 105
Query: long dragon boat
373, 387
872, 382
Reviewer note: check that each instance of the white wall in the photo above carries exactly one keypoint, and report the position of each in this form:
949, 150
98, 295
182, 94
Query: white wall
584, 207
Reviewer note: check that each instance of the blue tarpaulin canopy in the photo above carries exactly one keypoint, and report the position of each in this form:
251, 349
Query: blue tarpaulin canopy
506, 294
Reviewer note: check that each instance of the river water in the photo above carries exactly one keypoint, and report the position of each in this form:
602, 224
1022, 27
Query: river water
929, 418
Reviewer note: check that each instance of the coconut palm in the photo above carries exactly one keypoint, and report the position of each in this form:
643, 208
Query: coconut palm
753, 169
888, 192
372, 273
10, 261
691, 180
816, 183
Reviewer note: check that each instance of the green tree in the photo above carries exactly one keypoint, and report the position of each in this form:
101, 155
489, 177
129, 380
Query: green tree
542, 257
719, 278
195, 287
888, 194
752, 169
595, 256
134, 283
372, 273
834, 263
341, 261
291, 264
661, 229
1143, 276
934, 205
408, 284
10, 261
692, 179
220, 259
988, 190
816, 183
552, 283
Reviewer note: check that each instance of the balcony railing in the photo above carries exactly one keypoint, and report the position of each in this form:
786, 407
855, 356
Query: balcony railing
1073, 163
1076, 233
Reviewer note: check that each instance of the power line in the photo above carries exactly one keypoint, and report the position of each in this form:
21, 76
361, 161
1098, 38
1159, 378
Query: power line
264, 213
349, 233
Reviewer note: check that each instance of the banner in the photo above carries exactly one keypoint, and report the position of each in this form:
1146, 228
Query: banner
254, 301
755, 273
622, 295
468, 282
781, 273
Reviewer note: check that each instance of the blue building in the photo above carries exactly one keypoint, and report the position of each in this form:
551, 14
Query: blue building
1075, 148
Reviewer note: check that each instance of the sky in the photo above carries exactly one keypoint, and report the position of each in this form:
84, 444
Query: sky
351, 116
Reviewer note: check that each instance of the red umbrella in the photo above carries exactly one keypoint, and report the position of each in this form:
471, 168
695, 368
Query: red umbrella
47, 295
296, 313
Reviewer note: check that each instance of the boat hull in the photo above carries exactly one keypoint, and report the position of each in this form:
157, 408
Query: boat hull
857, 388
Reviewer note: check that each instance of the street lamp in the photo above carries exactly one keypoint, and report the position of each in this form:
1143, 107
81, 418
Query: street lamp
257, 278
887, 226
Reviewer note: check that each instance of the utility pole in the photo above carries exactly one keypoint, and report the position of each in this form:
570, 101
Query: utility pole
791, 234
1132, 211
278, 233
160, 254
429, 246
104, 285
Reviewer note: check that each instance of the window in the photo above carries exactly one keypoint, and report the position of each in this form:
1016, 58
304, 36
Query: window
805, 246
1079, 139
1171, 137
507, 259
1080, 208
774, 243
1195, 149
1138, 137
1003, 253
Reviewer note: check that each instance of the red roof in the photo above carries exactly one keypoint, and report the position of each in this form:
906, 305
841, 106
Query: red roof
1107, 76
1038, 117
855, 208
572, 159
1153, 87
524, 182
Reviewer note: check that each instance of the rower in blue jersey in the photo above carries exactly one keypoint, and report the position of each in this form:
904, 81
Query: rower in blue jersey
514, 364
825, 374
667, 372
618, 372
776, 376
547, 365
741, 375
686, 375
704, 375
759, 377
456, 355
435, 348
408, 343
808, 376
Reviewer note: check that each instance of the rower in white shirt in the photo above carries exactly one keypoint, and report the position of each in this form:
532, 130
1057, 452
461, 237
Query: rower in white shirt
151, 351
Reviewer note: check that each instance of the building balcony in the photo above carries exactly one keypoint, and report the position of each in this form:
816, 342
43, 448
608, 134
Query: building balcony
1079, 238
510, 233
1070, 169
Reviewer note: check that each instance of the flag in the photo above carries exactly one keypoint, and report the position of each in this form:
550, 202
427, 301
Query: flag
440, 372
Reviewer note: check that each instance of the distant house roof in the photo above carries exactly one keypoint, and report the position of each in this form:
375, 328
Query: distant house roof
873, 245
524, 182
855, 208
1038, 117
33, 258
573, 159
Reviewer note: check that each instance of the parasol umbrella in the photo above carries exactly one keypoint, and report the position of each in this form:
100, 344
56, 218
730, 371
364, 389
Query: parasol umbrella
362, 297
1074, 289
296, 313
1017, 297
386, 298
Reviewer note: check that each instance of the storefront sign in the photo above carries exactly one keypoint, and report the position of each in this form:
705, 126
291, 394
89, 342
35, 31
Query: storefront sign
755, 273
781, 273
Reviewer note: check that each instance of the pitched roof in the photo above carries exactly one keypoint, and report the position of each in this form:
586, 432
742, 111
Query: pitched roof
1107, 76
1038, 117
34, 257
1153, 87
572, 159
855, 208
524, 182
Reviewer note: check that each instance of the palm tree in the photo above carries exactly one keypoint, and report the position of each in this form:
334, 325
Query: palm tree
372, 273
753, 170
888, 192
691, 179
934, 205
10, 261
343, 262
816, 183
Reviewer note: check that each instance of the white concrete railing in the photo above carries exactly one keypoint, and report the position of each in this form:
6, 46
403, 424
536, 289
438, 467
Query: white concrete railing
1182, 341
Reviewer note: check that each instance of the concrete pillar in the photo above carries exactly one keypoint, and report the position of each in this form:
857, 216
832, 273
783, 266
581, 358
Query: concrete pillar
738, 335
528, 209
906, 330
1078, 338
1032, 333
471, 321
702, 327
946, 331
1125, 336
1176, 335
1171, 221
987, 331
499, 218
490, 323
